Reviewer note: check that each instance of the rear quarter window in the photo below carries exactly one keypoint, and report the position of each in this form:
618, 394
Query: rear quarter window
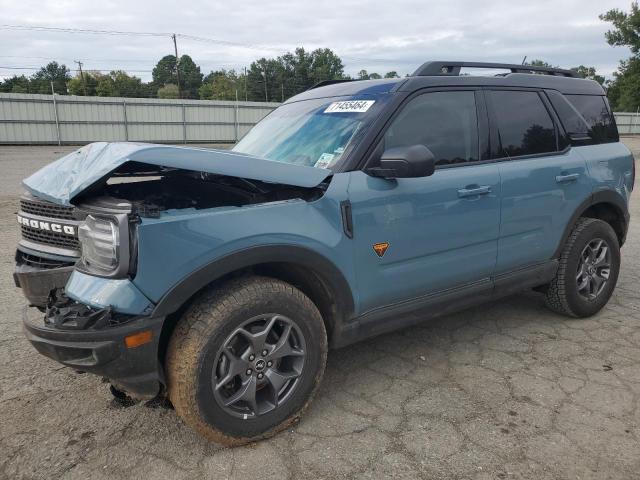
596, 113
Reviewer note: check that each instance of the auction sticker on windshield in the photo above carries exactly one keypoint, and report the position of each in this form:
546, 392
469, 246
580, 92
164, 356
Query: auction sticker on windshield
348, 106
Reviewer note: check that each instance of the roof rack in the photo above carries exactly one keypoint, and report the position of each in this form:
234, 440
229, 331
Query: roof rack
447, 68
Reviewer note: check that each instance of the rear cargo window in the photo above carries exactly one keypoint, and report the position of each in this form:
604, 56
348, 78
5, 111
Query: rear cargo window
596, 113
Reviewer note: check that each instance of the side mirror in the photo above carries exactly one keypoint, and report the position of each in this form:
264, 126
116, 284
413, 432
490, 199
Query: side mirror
405, 162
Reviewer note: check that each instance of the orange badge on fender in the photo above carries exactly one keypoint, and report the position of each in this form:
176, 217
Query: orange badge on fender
380, 248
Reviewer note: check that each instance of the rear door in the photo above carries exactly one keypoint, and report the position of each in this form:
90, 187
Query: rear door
439, 232
543, 180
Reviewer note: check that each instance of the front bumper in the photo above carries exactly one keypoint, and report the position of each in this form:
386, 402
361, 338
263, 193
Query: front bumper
38, 279
102, 351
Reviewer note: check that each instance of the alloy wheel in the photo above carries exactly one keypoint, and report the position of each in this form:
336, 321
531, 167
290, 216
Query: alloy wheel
258, 366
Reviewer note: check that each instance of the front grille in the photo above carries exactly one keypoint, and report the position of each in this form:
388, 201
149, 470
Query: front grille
61, 240
46, 209
40, 262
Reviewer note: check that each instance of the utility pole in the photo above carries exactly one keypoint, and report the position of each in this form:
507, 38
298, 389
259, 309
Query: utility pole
245, 84
84, 84
175, 47
264, 74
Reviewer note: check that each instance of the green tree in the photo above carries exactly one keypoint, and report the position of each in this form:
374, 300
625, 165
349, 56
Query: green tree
52, 72
590, 73
325, 65
391, 74
15, 84
165, 71
168, 91
364, 75
222, 85
540, 63
116, 84
190, 75
76, 86
626, 28
624, 90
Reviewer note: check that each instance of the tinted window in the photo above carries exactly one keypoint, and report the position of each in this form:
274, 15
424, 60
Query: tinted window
569, 116
595, 111
445, 122
524, 124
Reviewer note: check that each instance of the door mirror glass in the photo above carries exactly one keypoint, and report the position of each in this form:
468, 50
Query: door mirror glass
405, 162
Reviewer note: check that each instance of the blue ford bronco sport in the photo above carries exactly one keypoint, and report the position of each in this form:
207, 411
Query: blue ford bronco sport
219, 279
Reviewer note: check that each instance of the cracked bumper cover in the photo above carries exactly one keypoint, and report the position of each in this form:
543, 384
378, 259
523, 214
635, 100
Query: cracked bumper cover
36, 284
101, 351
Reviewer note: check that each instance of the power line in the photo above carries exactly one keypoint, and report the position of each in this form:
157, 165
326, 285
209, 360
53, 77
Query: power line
134, 33
82, 30
194, 38
87, 69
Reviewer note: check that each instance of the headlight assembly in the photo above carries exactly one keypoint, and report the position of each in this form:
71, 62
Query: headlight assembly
104, 244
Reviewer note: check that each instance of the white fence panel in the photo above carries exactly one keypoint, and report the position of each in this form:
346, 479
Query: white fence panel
67, 119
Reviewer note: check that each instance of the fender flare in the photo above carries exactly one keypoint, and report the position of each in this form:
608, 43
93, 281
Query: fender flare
253, 256
604, 196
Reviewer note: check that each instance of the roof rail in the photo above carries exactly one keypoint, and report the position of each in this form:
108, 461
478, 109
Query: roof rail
324, 83
447, 68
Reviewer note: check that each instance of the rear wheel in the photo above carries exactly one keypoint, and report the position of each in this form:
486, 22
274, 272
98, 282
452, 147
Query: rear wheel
588, 270
245, 359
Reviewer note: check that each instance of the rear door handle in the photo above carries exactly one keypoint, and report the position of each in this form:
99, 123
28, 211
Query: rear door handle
566, 178
474, 191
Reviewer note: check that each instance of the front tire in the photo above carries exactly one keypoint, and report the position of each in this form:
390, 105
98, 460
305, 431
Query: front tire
588, 270
245, 359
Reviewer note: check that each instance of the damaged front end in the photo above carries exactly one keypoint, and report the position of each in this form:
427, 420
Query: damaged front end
79, 257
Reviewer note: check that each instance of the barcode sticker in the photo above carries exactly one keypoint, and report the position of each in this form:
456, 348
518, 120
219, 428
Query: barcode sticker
350, 106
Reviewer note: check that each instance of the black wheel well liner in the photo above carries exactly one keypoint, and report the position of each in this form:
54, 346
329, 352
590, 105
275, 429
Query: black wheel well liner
313, 274
608, 206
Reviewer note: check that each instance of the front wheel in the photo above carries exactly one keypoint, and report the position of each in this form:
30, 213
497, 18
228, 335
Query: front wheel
588, 270
245, 359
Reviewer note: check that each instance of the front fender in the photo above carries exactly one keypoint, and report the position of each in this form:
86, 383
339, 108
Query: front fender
184, 250
300, 256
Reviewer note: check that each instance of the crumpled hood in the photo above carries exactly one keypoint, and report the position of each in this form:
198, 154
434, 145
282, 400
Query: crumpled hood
62, 180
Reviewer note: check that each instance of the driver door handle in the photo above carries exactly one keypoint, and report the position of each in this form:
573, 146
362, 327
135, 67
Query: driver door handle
566, 178
474, 191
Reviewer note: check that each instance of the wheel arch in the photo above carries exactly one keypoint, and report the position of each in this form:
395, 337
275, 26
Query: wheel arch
312, 273
607, 206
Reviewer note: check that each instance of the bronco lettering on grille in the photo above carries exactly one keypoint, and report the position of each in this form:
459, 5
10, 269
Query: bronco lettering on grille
50, 226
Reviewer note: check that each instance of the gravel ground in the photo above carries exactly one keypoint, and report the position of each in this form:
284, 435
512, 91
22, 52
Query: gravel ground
506, 390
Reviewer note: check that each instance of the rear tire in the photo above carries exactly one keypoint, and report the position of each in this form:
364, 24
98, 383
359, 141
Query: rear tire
588, 270
245, 359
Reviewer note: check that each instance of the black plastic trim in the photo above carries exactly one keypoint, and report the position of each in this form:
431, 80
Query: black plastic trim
347, 219
452, 68
102, 352
254, 256
417, 310
404, 314
604, 196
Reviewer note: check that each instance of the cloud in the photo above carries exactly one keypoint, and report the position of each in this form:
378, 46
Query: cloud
374, 35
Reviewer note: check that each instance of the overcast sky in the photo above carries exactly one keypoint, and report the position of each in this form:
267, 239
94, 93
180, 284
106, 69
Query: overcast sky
374, 35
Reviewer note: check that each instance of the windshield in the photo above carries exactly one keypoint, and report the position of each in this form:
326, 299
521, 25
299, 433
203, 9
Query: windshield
313, 133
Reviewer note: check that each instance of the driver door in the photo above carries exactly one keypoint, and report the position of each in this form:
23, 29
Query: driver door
441, 231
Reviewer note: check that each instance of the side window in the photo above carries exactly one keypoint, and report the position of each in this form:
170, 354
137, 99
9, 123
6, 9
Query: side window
524, 124
595, 111
445, 122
